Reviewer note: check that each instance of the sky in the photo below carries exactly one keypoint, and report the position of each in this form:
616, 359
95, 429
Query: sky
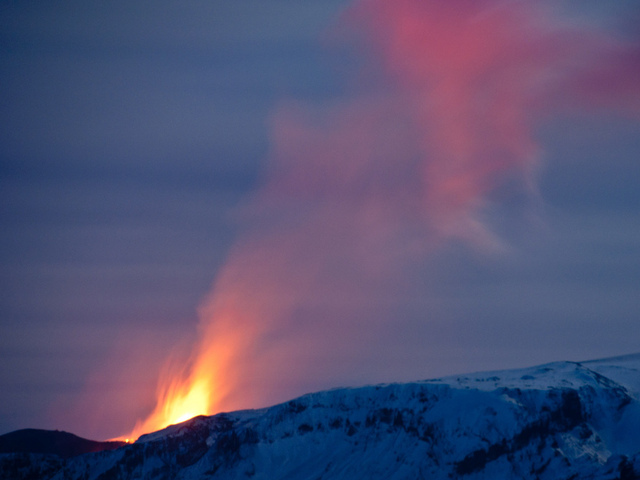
308, 195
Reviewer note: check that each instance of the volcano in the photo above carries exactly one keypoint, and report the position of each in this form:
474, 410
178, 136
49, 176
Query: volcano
556, 421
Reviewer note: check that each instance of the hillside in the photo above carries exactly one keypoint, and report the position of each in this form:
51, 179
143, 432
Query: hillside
556, 421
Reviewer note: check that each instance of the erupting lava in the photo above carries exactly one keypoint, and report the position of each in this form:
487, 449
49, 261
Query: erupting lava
359, 192
201, 391
178, 404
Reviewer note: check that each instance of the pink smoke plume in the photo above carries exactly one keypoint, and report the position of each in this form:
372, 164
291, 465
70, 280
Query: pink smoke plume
358, 192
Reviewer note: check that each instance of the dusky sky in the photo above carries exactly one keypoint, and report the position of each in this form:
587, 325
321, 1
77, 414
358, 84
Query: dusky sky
135, 141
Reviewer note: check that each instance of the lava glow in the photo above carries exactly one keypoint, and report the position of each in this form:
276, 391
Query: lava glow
358, 192
177, 404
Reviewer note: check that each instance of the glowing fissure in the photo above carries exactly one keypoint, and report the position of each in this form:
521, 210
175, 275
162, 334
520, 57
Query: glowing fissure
359, 192
177, 403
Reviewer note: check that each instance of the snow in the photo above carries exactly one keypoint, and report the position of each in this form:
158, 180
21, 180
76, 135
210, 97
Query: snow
545, 422
624, 370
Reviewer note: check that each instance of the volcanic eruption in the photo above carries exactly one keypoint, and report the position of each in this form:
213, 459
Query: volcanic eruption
357, 192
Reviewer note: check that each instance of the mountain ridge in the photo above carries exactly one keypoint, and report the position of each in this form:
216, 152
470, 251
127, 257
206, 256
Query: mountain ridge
53, 442
554, 421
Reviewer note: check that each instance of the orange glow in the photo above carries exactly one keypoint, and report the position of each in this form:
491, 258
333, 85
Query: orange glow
178, 404
178, 400
181, 403
206, 386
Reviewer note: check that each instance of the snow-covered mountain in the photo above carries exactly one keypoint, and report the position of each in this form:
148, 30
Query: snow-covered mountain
563, 420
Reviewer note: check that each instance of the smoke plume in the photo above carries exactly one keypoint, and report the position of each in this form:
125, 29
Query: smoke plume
358, 193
